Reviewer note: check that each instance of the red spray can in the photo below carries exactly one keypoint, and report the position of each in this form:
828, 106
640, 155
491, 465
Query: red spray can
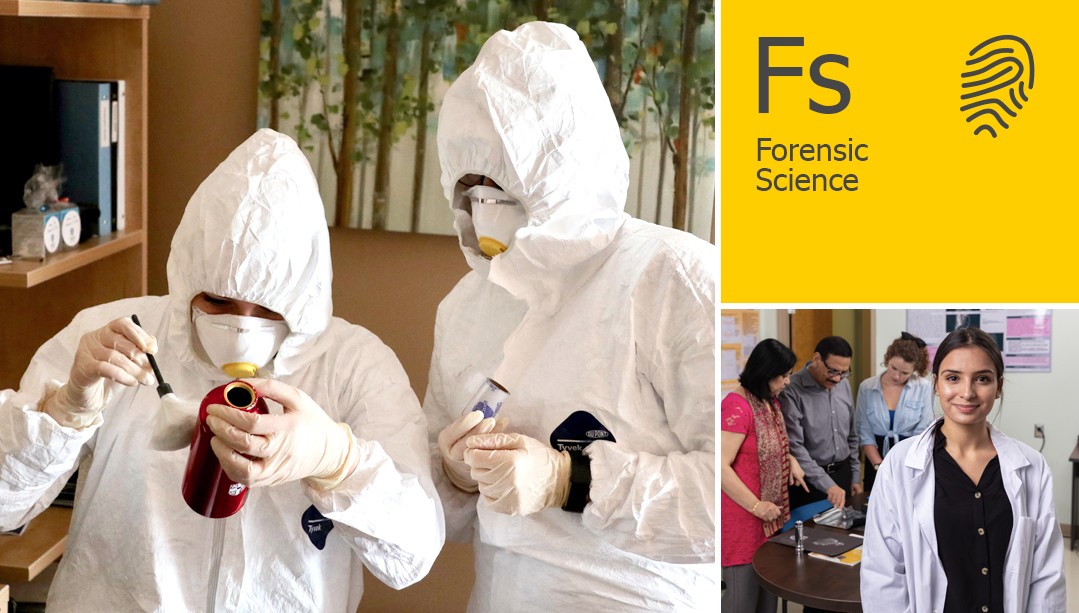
207, 489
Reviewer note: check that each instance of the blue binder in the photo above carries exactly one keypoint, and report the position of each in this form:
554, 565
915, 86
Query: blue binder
85, 135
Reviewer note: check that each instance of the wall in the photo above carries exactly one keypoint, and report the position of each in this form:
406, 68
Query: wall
770, 324
203, 76
391, 284
1029, 398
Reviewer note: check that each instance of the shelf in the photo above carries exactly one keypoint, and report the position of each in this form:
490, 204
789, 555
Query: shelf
23, 557
92, 41
59, 8
28, 274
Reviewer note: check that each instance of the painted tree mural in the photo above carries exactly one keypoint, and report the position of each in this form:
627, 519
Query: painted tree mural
358, 82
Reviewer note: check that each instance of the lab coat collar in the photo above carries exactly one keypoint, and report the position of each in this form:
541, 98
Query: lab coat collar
920, 461
923, 485
1010, 455
1013, 464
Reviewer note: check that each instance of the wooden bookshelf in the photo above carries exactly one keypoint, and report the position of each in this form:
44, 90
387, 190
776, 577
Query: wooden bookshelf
92, 41
28, 274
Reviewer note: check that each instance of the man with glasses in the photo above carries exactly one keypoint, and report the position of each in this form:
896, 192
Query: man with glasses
819, 411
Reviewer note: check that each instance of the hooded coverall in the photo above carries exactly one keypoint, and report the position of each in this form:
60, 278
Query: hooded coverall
588, 310
254, 231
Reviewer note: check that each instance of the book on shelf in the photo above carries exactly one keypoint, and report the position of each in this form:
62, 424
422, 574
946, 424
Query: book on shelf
90, 121
119, 120
84, 121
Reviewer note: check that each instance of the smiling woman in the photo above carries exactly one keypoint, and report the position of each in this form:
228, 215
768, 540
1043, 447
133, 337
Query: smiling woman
965, 509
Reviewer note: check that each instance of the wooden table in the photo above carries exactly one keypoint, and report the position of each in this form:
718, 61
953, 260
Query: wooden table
808, 581
23, 557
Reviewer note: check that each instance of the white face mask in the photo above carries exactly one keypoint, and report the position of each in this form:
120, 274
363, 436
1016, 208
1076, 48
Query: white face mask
238, 344
496, 217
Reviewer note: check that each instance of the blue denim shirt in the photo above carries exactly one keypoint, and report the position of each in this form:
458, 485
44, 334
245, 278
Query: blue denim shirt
913, 412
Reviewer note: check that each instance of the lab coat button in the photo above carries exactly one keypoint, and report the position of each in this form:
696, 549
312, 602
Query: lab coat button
977, 494
981, 531
985, 571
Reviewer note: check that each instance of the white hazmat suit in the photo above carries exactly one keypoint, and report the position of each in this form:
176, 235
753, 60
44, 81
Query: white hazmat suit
588, 310
254, 231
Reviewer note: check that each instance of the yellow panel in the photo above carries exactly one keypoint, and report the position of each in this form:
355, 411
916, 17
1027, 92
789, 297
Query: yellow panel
939, 214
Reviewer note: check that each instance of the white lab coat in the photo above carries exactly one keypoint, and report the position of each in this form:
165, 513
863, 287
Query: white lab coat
254, 231
588, 310
901, 570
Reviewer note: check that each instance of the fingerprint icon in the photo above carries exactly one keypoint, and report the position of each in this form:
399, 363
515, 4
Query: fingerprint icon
997, 82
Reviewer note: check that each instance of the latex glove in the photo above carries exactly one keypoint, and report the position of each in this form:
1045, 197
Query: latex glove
113, 353
174, 424
451, 444
518, 475
301, 443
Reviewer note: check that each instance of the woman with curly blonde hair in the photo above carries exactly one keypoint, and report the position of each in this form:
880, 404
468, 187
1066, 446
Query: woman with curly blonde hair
895, 405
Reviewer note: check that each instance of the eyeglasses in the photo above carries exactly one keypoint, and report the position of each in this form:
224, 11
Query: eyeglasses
835, 373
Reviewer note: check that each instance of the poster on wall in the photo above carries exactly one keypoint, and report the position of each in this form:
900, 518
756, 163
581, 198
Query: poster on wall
1023, 335
740, 331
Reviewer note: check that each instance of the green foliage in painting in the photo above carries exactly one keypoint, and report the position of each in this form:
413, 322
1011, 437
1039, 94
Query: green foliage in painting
324, 66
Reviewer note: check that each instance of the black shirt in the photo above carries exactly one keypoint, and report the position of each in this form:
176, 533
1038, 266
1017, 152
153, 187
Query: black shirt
974, 524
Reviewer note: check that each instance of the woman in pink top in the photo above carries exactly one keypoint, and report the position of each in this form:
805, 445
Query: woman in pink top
757, 468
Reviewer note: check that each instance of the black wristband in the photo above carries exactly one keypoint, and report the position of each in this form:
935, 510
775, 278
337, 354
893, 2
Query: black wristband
580, 479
